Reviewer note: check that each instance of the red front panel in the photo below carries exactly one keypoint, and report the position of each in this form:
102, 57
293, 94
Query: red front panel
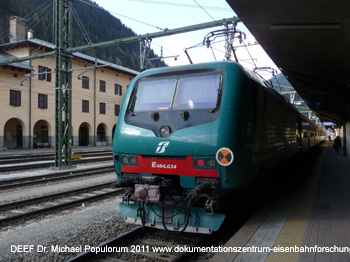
168, 167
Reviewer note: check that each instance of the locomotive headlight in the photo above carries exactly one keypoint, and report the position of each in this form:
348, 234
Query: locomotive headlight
165, 131
204, 163
125, 160
132, 160
199, 163
210, 163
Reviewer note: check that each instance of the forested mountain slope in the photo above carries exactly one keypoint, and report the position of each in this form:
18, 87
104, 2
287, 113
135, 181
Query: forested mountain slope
99, 24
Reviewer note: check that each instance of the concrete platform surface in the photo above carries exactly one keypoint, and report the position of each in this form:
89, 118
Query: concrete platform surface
310, 223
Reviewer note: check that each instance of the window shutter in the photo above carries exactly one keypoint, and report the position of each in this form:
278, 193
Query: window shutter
48, 75
41, 70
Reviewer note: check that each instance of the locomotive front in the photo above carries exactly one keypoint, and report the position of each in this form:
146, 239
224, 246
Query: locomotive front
168, 149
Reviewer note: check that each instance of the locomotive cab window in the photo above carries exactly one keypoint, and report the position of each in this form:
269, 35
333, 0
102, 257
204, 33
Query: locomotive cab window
195, 91
154, 94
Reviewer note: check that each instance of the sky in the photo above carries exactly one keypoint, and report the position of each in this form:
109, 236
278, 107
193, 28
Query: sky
155, 14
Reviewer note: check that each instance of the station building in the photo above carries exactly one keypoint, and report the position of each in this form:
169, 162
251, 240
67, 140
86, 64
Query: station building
27, 104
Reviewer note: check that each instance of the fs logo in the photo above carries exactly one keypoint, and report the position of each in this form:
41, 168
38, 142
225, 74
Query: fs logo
161, 147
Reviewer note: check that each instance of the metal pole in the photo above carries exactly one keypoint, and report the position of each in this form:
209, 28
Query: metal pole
58, 86
227, 43
95, 104
63, 94
30, 103
145, 48
68, 84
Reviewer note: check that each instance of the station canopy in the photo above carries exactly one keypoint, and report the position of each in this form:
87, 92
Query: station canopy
310, 42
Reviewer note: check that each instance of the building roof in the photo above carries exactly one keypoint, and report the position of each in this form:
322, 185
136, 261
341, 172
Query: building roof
20, 66
46, 46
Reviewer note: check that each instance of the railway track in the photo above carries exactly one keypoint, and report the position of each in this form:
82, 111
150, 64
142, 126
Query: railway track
29, 208
145, 245
9, 159
17, 166
59, 176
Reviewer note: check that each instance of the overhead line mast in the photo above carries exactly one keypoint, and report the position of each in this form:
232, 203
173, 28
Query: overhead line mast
63, 83
127, 40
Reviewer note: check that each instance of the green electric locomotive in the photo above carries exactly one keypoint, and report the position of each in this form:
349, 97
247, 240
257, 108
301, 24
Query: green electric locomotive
188, 135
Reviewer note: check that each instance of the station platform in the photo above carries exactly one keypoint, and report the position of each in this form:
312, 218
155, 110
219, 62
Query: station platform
309, 223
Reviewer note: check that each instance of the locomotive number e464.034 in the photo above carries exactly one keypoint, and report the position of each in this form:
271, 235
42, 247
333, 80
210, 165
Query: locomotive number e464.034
167, 166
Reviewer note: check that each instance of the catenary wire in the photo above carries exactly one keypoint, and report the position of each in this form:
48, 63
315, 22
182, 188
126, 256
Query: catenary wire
184, 5
96, 6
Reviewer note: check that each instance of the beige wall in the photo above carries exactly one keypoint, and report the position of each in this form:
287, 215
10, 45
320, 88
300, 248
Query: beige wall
11, 116
19, 52
29, 115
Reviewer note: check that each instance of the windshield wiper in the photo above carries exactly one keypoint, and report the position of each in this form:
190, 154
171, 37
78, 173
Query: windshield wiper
131, 113
214, 109
217, 102
132, 105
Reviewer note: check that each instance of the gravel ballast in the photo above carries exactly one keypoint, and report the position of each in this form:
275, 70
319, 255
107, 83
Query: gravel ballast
90, 224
